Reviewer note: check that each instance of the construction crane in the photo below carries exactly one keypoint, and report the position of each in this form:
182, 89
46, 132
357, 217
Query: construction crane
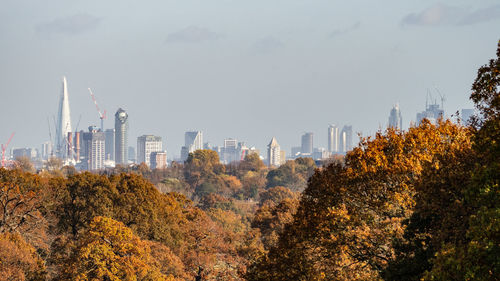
102, 115
4, 148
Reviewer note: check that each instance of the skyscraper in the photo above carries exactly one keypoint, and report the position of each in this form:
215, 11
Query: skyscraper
121, 137
159, 160
110, 144
395, 118
192, 141
95, 142
346, 139
146, 145
63, 122
432, 112
273, 153
333, 139
467, 113
307, 143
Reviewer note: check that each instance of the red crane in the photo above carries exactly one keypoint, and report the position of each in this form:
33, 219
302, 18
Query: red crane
102, 115
4, 148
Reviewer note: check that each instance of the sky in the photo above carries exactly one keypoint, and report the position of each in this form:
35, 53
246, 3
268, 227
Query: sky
240, 69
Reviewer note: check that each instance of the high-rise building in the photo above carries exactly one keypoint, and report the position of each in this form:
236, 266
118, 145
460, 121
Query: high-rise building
159, 160
121, 137
307, 143
395, 118
95, 142
192, 141
146, 145
432, 112
131, 154
346, 139
466, 115
273, 153
110, 144
333, 139
63, 122
46, 150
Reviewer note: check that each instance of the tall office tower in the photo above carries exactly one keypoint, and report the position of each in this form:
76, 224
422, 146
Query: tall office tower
192, 141
95, 142
346, 139
131, 154
110, 144
63, 122
121, 137
432, 112
395, 118
159, 160
333, 139
273, 153
467, 113
146, 145
46, 150
307, 143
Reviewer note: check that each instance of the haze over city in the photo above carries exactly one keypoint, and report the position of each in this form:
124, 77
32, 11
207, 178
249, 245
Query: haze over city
246, 70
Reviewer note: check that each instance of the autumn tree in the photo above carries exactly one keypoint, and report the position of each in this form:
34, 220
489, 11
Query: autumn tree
476, 254
108, 250
351, 213
19, 260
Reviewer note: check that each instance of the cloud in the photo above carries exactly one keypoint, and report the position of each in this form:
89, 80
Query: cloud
441, 14
192, 34
338, 32
71, 25
481, 15
267, 45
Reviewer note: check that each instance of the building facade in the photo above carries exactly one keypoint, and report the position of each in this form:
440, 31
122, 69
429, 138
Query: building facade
192, 141
395, 118
159, 160
110, 144
146, 145
307, 144
94, 149
63, 123
346, 139
273, 153
333, 139
432, 112
121, 137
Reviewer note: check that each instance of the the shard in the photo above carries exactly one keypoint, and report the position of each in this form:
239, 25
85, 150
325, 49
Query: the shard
63, 122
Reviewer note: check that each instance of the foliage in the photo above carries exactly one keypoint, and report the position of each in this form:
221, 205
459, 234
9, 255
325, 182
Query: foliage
108, 250
18, 259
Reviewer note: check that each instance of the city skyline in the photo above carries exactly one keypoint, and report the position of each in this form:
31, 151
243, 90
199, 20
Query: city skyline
176, 66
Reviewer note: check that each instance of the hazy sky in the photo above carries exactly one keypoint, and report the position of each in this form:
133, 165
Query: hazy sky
247, 69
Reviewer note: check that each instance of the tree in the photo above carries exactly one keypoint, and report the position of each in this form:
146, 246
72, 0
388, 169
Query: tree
19, 260
21, 197
350, 214
476, 256
108, 250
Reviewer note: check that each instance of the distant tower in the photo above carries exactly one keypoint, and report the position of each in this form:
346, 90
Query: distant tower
274, 153
63, 122
147, 144
466, 115
432, 112
346, 139
333, 139
110, 144
192, 141
395, 118
121, 137
95, 144
307, 143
